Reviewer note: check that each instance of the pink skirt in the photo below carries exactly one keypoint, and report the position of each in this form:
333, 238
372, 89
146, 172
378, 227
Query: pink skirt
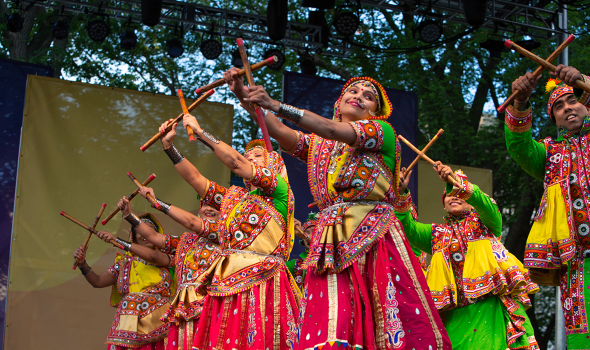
262, 317
180, 337
381, 301
159, 345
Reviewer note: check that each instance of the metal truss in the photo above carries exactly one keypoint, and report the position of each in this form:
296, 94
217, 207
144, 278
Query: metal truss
526, 17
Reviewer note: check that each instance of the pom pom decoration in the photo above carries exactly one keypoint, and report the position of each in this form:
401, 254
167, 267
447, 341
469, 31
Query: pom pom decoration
551, 84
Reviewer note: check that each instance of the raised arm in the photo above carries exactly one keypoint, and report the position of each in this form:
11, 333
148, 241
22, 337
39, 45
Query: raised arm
150, 255
190, 221
105, 279
419, 235
144, 229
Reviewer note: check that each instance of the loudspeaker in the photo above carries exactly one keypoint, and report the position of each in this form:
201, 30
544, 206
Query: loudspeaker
319, 4
277, 17
150, 12
475, 11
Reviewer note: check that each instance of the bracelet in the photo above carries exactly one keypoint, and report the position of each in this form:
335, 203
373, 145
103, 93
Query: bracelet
290, 113
126, 245
174, 154
164, 207
133, 220
208, 136
85, 269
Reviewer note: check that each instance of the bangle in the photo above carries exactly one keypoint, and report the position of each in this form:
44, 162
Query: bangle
126, 245
85, 269
174, 154
208, 136
290, 113
133, 220
164, 207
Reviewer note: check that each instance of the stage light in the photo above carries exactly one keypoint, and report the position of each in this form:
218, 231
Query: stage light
319, 4
174, 47
98, 29
429, 31
475, 11
236, 59
346, 23
15, 23
281, 58
306, 64
495, 47
128, 39
150, 12
528, 44
277, 15
60, 30
211, 49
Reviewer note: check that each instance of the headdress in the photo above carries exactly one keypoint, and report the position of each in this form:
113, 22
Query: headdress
384, 106
312, 220
556, 89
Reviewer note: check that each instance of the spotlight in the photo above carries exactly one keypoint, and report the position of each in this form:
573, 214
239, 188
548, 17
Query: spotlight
236, 59
211, 49
475, 12
306, 64
429, 31
495, 47
174, 47
346, 23
128, 40
281, 58
98, 29
15, 22
529, 44
60, 30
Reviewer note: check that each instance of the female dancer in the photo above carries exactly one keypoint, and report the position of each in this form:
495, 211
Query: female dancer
477, 285
363, 286
141, 290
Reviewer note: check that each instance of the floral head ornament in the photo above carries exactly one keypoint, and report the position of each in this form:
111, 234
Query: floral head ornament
555, 88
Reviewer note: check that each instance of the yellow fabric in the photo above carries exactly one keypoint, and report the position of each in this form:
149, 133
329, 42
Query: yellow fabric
440, 276
553, 224
128, 323
152, 321
141, 277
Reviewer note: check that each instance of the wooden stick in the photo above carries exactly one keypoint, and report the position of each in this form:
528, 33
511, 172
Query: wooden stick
148, 196
129, 198
241, 72
86, 227
413, 164
580, 84
85, 245
257, 109
191, 134
194, 105
449, 178
539, 70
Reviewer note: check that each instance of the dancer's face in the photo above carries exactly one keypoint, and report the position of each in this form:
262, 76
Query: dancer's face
455, 205
142, 241
569, 113
356, 103
209, 213
256, 156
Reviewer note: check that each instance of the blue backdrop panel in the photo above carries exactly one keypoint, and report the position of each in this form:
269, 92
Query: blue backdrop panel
319, 95
13, 84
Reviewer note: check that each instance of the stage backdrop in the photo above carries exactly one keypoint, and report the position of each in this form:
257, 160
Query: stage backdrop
319, 95
78, 143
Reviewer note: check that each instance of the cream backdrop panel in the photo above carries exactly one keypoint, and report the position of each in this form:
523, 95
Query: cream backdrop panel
78, 143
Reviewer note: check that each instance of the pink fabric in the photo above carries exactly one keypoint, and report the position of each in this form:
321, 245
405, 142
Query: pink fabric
180, 336
375, 304
159, 345
261, 317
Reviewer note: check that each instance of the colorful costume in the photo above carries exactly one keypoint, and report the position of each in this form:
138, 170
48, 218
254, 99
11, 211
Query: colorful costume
363, 285
558, 246
252, 301
141, 295
479, 287
295, 266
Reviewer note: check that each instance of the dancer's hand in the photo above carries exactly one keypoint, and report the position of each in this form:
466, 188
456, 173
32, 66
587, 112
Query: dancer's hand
404, 180
525, 84
567, 74
298, 230
235, 82
444, 172
189, 120
80, 254
145, 190
124, 205
169, 136
257, 94
106, 236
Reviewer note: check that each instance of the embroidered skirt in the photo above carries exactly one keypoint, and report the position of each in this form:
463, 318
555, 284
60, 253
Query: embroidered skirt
261, 317
158, 345
381, 301
180, 335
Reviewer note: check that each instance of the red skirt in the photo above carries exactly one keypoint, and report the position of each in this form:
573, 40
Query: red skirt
159, 345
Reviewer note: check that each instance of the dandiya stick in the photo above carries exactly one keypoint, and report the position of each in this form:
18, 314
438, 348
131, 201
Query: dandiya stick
450, 178
539, 70
241, 73
194, 105
85, 245
257, 109
413, 164
191, 133
509, 44
86, 227
129, 198
148, 196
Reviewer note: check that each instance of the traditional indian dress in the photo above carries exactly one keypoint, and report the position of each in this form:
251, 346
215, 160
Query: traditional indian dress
295, 266
363, 285
141, 295
477, 285
252, 301
558, 247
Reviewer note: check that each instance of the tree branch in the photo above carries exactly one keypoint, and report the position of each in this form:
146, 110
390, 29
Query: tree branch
343, 73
